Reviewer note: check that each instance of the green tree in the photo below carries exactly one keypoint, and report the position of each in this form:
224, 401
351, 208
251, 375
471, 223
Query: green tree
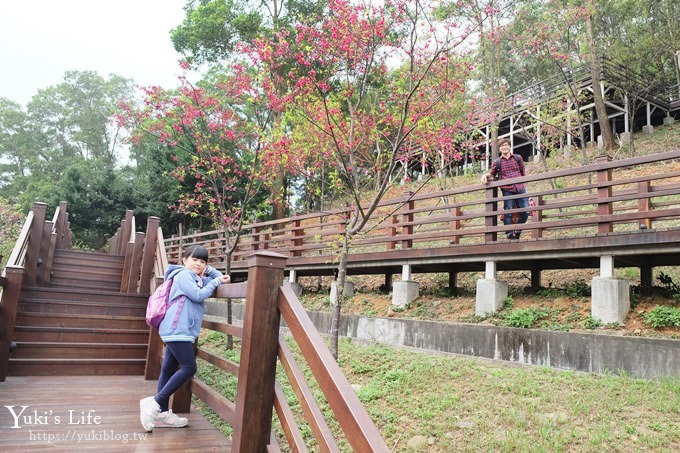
215, 31
77, 116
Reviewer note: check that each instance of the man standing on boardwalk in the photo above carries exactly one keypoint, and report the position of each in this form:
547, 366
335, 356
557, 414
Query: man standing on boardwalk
509, 166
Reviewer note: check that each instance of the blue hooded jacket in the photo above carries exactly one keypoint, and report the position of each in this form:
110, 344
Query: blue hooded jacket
195, 290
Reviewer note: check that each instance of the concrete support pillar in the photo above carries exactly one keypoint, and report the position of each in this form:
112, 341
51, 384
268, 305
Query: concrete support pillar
405, 291
490, 292
490, 270
347, 292
648, 129
646, 277
668, 120
406, 272
610, 296
535, 279
295, 286
607, 266
387, 286
453, 282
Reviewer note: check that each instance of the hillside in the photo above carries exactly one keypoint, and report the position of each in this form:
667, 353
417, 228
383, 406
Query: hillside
562, 304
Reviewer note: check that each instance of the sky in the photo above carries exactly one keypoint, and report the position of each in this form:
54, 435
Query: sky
42, 39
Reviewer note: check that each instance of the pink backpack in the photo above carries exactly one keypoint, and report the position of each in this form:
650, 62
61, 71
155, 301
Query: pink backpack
158, 305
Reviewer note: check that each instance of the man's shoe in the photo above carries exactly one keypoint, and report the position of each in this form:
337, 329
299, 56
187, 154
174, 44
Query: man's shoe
169, 418
148, 411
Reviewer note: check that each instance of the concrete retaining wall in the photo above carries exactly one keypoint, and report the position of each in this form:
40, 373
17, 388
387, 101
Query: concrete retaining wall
589, 352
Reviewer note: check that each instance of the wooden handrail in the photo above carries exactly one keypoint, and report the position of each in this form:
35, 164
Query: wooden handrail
13, 277
266, 302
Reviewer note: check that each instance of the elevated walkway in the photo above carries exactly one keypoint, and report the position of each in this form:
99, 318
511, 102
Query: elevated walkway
525, 114
608, 215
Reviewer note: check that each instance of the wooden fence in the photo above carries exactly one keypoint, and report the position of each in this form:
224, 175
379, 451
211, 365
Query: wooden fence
600, 199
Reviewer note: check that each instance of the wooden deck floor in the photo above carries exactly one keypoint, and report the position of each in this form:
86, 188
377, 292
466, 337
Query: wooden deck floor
88, 413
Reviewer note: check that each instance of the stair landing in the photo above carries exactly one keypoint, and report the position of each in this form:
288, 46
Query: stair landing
101, 413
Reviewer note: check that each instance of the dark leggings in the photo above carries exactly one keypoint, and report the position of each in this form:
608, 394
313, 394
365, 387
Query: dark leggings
179, 365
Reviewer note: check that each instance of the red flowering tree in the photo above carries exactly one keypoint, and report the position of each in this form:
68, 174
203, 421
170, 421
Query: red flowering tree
367, 77
223, 158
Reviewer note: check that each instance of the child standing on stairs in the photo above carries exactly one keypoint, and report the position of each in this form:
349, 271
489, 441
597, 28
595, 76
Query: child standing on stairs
195, 281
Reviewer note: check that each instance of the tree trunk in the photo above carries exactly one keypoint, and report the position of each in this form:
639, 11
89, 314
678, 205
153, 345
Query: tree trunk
598, 97
339, 294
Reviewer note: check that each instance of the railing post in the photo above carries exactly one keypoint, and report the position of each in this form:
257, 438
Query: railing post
259, 350
44, 264
256, 238
538, 232
33, 257
125, 230
61, 226
154, 350
150, 244
455, 225
392, 232
297, 232
9, 299
644, 187
604, 208
407, 219
491, 208
135, 266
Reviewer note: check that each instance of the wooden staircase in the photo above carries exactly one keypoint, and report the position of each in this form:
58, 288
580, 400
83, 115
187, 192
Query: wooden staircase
81, 324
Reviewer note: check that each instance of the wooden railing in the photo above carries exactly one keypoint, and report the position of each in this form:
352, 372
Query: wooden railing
257, 393
598, 199
30, 264
139, 258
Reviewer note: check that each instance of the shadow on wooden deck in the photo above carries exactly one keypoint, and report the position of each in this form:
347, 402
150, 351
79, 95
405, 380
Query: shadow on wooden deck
78, 413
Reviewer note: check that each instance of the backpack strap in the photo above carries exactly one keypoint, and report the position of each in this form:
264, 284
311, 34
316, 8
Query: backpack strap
179, 310
499, 161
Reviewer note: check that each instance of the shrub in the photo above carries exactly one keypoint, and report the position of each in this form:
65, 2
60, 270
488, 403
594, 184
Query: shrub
592, 323
663, 316
577, 288
524, 318
672, 288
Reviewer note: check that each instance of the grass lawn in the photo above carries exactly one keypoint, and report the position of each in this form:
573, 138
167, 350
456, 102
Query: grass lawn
423, 402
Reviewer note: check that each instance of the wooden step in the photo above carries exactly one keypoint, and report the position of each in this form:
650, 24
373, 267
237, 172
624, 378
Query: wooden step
84, 283
47, 350
93, 260
81, 294
80, 335
79, 320
81, 269
81, 303
75, 367
71, 307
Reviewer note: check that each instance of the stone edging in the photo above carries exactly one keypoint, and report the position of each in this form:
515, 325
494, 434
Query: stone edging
638, 357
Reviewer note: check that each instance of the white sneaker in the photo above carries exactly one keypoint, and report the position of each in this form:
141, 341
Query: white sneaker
148, 411
171, 419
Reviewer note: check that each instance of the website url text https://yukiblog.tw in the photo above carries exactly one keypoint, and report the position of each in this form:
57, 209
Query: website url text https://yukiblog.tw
78, 436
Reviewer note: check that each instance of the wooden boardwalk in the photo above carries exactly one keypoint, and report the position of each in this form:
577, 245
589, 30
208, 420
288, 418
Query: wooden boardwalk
92, 413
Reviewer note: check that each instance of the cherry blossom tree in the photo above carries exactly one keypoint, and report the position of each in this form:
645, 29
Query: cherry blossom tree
367, 77
222, 157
